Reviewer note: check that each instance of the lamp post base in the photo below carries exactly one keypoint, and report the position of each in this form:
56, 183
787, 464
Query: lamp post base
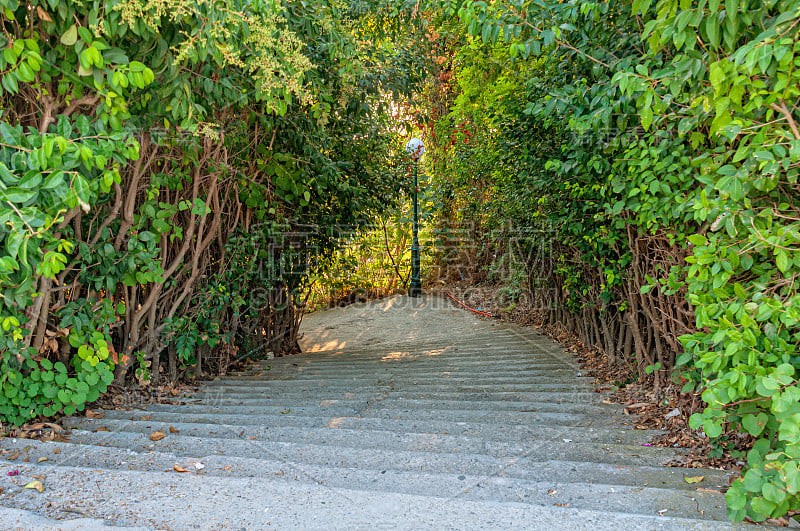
415, 288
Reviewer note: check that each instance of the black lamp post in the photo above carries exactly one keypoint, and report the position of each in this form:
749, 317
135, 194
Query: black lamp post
415, 148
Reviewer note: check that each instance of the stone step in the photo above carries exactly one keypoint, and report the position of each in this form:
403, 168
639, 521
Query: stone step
445, 377
259, 395
260, 502
162, 420
397, 399
379, 436
546, 486
259, 441
477, 465
471, 351
410, 358
414, 359
407, 368
343, 387
375, 411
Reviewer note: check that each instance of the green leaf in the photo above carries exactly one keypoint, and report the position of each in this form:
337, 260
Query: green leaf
782, 260
762, 506
713, 428
65, 396
698, 239
70, 36
18, 195
772, 493
735, 499
646, 116
754, 424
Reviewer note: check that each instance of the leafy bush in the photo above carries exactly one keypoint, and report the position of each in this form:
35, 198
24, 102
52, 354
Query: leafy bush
658, 144
139, 144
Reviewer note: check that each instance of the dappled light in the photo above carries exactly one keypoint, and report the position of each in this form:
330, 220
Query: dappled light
399, 356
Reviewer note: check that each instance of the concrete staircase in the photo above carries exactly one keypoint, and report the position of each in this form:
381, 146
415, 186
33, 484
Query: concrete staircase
401, 414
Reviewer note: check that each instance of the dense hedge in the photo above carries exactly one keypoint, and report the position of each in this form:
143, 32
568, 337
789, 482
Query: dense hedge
168, 172
633, 168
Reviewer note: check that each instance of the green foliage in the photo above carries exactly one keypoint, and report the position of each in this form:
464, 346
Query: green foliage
658, 142
141, 142
373, 261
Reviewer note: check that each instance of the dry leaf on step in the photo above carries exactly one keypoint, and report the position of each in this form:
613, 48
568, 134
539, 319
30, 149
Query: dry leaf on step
35, 485
710, 491
157, 436
693, 479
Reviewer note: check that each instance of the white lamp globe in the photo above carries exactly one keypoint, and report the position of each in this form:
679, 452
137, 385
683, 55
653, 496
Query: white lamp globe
415, 148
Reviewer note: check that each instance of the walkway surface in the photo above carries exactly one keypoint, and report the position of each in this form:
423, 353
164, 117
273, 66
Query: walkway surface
402, 413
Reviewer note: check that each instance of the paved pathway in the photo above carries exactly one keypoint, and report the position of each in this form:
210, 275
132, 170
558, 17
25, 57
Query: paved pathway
403, 414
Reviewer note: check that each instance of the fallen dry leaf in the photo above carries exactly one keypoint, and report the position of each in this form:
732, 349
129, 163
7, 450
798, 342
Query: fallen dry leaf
101, 429
94, 414
43, 14
711, 491
157, 436
173, 430
627, 409
57, 451
693, 479
146, 417
41, 459
561, 504
35, 485
176, 468
41, 426
552, 492
14, 456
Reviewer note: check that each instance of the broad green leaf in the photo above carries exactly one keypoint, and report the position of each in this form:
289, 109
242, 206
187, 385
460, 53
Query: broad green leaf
70, 36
